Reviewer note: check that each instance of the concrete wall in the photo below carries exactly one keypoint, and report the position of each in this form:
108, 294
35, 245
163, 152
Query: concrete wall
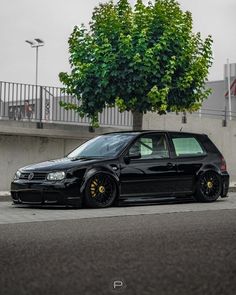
223, 137
18, 151
21, 143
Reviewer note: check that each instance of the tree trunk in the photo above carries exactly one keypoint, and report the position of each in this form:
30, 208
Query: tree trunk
137, 120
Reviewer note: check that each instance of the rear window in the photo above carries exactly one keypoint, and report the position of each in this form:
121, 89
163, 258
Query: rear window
187, 146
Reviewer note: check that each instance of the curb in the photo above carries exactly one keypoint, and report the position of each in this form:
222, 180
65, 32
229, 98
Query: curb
5, 196
232, 187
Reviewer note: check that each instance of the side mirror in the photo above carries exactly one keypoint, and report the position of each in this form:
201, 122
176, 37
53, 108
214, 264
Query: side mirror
133, 156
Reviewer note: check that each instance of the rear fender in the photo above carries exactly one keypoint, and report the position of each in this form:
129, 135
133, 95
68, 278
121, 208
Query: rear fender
207, 168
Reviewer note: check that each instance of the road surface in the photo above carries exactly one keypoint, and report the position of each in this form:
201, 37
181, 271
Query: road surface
161, 249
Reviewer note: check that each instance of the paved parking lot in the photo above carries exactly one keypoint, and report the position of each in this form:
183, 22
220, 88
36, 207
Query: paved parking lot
17, 214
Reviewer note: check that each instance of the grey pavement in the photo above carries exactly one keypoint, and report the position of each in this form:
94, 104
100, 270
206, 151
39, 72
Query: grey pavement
181, 253
17, 214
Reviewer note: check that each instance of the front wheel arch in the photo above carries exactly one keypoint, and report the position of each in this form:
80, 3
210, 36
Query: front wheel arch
92, 175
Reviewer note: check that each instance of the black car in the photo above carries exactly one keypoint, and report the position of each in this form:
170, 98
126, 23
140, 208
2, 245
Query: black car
127, 167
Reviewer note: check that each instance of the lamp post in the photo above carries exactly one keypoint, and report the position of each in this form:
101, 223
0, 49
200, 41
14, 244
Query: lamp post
36, 44
229, 89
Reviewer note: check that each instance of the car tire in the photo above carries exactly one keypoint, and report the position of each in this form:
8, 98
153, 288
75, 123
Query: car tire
209, 187
100, 191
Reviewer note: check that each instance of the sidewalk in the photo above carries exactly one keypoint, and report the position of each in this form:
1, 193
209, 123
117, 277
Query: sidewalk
6, 196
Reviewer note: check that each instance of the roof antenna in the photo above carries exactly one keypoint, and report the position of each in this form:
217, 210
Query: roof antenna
181, 129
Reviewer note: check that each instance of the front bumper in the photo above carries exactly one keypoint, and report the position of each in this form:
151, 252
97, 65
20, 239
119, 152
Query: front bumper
46, 193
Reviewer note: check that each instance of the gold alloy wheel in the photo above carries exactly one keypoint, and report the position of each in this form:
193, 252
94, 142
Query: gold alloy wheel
209, 184
93, 188
102, 189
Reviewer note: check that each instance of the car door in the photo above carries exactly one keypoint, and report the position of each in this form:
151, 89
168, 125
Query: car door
153, 173
189, 157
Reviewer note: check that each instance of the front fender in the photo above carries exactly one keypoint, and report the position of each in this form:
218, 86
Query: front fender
96, 170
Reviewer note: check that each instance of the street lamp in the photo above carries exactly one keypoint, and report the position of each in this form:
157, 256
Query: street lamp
36, 44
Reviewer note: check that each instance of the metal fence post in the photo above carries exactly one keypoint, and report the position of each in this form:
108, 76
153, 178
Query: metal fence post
224, 123
184, 118
1, 101
40, 123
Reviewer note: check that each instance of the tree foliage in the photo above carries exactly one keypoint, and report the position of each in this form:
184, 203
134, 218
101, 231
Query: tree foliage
145, 58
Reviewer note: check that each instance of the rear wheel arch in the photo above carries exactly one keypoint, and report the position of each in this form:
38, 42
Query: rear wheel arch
208, 186
209, 167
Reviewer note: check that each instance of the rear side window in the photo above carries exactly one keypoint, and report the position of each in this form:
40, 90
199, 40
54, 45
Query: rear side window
187, 146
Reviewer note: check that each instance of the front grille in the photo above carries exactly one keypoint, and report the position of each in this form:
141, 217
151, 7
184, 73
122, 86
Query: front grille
30, 197
24, 175
39, 176
36, 176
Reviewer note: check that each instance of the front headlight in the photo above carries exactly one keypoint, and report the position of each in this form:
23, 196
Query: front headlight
60, 175
17, 175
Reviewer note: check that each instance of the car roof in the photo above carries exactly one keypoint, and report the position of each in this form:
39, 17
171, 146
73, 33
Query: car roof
138, 132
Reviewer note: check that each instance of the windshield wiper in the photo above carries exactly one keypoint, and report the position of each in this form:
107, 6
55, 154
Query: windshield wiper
84, 158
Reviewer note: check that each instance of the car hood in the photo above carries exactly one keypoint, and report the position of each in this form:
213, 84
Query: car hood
61, 164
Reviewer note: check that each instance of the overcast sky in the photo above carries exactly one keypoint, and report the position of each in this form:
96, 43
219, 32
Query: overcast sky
53, 21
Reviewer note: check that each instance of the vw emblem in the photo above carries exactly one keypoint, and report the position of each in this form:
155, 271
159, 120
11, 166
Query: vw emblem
31, 176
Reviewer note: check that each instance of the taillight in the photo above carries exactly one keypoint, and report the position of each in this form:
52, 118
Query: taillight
223, 167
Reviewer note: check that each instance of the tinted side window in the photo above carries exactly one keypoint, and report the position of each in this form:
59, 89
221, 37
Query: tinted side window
187, 146
146, 145
151, 147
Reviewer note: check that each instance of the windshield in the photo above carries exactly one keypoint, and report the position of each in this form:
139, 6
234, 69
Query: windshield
109, 145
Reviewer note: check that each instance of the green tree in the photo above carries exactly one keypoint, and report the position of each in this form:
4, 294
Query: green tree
141, 59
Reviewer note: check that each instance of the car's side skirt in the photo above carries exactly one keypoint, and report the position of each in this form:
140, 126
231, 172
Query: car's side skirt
155, 200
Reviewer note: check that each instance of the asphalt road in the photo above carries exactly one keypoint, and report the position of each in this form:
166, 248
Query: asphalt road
168, 252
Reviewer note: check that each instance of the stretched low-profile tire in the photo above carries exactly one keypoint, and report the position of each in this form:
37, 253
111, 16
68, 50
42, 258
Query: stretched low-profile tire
209, 187
100, 191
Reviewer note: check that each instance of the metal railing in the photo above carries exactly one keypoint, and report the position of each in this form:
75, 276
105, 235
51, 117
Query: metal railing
41, 104
225, 114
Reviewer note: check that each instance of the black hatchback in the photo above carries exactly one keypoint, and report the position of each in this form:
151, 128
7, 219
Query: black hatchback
127, 167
